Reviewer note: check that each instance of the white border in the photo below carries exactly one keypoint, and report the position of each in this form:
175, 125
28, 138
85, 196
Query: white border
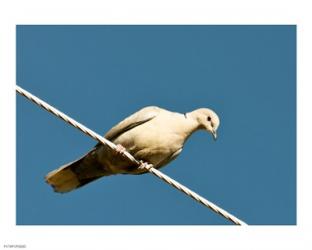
147, 12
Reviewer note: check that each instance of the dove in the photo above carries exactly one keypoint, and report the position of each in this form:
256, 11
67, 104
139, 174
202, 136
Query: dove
152, 135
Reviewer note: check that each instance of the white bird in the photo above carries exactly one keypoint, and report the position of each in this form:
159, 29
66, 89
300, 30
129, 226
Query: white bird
152, 135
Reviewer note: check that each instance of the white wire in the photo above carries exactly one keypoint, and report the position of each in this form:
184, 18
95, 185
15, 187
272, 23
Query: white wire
148, 167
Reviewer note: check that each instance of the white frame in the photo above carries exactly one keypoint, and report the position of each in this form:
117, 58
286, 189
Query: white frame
161, 12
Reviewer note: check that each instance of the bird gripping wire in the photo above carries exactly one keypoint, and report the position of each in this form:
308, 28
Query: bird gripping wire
148, 167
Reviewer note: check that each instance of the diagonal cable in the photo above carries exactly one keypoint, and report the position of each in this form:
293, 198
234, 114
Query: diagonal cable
148, 167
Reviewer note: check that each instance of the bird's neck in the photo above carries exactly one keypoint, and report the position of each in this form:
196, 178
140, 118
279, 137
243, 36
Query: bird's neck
192, 124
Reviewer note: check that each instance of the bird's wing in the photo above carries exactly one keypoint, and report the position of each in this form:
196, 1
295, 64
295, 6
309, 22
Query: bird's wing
134, 120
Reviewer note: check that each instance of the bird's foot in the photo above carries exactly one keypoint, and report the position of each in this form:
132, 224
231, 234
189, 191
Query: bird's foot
144, 165
120, 150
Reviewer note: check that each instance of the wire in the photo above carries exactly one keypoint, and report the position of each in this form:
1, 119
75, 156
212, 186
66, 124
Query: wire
148, 167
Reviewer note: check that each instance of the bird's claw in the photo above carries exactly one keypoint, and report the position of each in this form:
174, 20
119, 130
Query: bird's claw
144, 165
120, 150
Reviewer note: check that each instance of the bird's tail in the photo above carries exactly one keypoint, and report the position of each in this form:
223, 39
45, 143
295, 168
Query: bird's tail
76, 174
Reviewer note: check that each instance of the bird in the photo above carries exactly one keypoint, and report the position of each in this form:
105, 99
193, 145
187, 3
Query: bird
152, 135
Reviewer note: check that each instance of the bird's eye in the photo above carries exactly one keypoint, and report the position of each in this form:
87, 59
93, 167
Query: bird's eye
209, 118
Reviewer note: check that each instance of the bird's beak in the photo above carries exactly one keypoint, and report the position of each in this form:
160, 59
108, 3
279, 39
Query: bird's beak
214, 134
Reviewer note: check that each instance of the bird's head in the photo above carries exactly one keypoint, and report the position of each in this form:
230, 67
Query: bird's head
208, 120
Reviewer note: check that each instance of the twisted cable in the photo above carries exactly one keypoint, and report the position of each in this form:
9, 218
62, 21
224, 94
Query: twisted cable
146, 166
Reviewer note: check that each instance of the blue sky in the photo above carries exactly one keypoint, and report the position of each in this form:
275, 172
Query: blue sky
101, 74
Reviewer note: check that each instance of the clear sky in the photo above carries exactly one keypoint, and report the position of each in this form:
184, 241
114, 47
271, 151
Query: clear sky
101, 74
